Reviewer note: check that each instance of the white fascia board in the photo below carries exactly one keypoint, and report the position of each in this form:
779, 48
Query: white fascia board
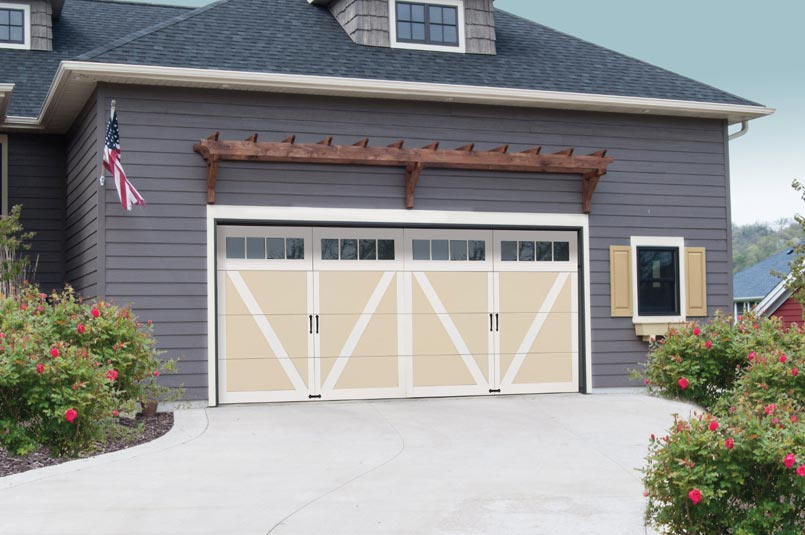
82, 76
775, 298
5, 97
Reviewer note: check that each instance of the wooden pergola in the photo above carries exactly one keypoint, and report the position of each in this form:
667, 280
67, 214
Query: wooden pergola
591, 167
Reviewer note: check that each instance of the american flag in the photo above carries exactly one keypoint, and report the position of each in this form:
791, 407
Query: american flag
111, 162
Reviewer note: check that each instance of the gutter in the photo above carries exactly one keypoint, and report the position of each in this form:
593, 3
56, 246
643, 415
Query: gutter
73, 78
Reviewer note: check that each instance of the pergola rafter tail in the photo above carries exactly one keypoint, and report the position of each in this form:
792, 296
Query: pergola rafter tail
591, 167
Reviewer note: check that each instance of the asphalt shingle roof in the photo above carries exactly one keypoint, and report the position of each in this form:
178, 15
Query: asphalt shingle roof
294, 37
755, 282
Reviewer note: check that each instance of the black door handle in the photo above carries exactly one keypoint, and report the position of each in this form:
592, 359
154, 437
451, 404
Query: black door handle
310, 320
317, 324
490, 323
497, 322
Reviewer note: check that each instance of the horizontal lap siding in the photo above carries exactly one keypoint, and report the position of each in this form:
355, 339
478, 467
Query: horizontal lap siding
36, 169
81, 223
669, 178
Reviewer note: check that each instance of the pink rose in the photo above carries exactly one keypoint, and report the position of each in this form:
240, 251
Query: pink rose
40, 368
95, 312
789, 460
645, 494
156, 373
740, 317
794, 419
695, 496
783, 358
111, 375
770, 409
713, 426
751, 356
150, 323
708, 344
70, 415
81, 328
683, 383
646, 381
54, 352
755, 326
801, 470
794, 371
43, 296
697, 331
729, 443
24, 306
115, 413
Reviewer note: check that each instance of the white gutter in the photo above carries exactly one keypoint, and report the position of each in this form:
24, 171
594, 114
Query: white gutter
74, 76
742, 132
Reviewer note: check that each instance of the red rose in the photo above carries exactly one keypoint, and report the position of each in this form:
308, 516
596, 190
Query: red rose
751, 356
697, 331
775, 421
783, 358
24, 306
683, 383
708, 344
801, 470
771, 408
794, 419
740, 318
695, 496
794, 371
70, 415
729, 443
40, 308
43, 296
111, 375
95, 312
645, 494
713, 426
653, 437
2, 335
150, 323
40, 368
115, 413
54, 352
156, 373
646, 381
755, 326
789, 460
81, 328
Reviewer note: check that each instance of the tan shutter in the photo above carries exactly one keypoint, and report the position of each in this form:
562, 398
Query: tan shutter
695, 282
620, 280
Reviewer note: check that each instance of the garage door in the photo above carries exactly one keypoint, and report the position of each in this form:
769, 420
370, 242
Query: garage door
357, 313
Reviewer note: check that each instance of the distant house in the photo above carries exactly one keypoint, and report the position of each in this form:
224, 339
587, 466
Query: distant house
760, 287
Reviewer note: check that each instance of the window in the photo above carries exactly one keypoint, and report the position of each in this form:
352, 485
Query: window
427, 25
257, 248
15, 22
658, 281
449, 250
356, 249
529, 251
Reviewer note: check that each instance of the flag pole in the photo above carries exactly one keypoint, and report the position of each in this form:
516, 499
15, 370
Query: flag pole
111, 115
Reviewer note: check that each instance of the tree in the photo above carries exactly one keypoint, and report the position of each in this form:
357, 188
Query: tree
796, 279
15, 266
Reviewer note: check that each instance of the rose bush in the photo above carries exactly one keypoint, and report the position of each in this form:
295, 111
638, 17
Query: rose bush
66, 367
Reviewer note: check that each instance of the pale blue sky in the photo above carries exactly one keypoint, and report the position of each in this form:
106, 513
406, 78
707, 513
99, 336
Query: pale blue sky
750, 48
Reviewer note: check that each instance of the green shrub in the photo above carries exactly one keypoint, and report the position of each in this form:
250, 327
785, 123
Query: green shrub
66, 368
701, 362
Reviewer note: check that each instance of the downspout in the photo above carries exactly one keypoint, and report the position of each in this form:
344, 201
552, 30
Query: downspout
742, 132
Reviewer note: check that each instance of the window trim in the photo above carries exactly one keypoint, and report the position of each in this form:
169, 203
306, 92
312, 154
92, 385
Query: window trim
665, 242
461, 27
4, 174
26, 23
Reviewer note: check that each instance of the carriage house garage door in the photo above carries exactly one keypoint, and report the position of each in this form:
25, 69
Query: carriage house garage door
356, 313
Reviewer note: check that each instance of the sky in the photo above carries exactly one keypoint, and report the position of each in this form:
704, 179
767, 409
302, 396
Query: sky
748, 48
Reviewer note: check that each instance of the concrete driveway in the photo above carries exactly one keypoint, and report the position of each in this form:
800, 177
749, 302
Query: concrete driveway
552, 464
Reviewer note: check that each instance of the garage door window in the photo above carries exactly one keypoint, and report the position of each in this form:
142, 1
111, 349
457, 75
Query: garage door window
259, 248
356, 249
530, 251
449, 250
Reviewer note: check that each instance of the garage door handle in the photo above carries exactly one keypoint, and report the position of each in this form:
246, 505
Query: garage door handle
497, 322
317, 324
310, 319
490, 323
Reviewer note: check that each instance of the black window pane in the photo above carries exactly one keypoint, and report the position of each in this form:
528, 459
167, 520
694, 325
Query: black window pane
349, 249
449, 16
256, 248
544, 251
403, 11
657, 299
458, 250
418, 13
421, 249
275, 249
439, 250
656, 264
296, 249
418, 31
235, 248
508, 251
329, 249
404, 30
385, 249
526, 252
436, 33
435, 14
450, 35
561, 251
368, 249
658, 286
477, 250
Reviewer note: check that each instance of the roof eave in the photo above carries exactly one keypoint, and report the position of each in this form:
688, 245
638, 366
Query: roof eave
775, 298
75, 80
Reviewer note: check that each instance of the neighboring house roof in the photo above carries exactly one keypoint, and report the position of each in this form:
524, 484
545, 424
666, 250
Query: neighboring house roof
756, 282
82, 26
294, 37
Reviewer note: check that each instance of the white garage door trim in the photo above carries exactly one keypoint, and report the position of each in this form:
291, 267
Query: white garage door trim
313, 216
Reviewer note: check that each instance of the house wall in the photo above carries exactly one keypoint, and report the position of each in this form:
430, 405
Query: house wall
36, 168
789, 312
669, 178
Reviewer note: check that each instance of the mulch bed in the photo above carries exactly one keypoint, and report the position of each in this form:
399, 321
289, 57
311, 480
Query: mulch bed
153, 428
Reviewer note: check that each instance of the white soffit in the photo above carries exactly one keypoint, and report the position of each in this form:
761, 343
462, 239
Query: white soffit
75, 81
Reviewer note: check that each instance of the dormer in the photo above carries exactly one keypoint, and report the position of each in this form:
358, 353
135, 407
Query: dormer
462, 26
28, 24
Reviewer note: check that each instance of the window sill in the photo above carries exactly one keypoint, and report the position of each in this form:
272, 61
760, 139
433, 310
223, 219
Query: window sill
657, 327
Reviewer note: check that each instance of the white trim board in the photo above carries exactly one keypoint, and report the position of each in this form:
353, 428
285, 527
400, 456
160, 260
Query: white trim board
311, 216
75, 81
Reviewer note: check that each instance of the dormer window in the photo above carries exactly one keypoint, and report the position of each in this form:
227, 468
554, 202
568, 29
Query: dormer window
15, 21
427, 24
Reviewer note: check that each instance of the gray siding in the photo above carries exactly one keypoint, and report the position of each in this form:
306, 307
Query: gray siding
479, 24
668, 179
81, 221
36, 181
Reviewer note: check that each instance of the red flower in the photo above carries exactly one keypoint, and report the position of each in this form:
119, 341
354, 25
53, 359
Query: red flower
2, 335
783, 358
54, 352
111, 375
95, 312
789, 460
40, 368
43, 296
801, 470
646, 381
695, 496
708, 344
751, 356
775, 421
40, 308
645, 494
771, 408
713, 426
156, 373
740, 317
653, 437
70, 415
794, 419
794, 371
81, 328
729, 443
115, 413
697, 331
150, 323
755, 326
683, 383
24, 306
